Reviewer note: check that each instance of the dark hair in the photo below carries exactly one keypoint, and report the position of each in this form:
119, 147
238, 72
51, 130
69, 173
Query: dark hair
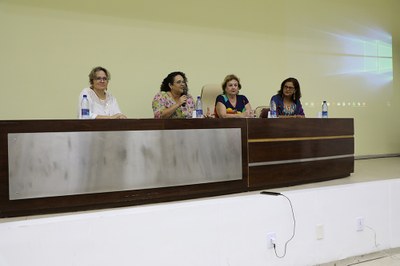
296, 84
170, 80
229, 78
92, 74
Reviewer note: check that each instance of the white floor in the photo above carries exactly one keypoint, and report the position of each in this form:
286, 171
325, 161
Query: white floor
388, 260
384, 258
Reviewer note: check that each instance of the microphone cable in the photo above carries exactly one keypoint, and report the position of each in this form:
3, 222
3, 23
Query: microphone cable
294, 221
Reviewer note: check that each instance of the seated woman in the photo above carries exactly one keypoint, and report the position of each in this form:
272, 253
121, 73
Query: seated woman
230, 104
102, 104
173, 100
287, 101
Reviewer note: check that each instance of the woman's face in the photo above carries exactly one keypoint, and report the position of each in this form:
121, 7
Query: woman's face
100, 82
288, 89
232, 87
178, 86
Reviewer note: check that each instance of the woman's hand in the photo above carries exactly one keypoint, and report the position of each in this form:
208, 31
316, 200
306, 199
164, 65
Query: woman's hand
243, 115
182, 100
119, 116
208, 114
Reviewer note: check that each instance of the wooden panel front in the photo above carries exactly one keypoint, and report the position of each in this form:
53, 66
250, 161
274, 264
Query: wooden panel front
9, 208
299, 149
281, 175
314, 150
297, 128
286, 152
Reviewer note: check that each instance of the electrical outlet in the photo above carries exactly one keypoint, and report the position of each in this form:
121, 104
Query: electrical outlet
271, 239
319, 231
360, 224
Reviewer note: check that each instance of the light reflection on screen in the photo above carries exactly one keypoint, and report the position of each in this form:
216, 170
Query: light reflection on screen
358, 70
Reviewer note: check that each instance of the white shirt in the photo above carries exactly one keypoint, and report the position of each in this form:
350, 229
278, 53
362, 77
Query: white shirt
108, 107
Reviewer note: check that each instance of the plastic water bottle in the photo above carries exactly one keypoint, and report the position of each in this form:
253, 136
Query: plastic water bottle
272, 110
85, 109
324, 110
199, 109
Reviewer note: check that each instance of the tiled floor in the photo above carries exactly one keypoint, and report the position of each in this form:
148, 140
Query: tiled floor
393, 260
384, 258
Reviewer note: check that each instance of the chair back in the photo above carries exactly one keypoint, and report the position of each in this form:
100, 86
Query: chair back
261, 111
209, 93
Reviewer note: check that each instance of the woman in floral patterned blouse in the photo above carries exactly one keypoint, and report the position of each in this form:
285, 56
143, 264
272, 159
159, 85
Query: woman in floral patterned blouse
173, 100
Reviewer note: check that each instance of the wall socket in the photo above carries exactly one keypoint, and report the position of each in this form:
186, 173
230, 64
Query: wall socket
271, 239
360, 224
319, 231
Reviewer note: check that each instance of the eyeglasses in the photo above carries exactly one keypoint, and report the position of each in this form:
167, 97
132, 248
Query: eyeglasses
288, 87
101, 79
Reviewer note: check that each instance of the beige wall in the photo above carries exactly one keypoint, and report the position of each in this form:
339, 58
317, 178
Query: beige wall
48, 48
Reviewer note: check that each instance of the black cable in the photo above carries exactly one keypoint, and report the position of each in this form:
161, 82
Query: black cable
294, 222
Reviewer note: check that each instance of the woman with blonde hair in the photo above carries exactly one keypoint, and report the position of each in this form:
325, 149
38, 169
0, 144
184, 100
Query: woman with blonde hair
231, 104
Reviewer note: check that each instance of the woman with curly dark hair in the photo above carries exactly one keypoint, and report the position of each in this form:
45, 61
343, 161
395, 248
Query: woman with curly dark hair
173, 100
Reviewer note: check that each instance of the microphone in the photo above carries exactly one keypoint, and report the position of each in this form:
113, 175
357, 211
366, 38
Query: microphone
270, 193
184, 92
